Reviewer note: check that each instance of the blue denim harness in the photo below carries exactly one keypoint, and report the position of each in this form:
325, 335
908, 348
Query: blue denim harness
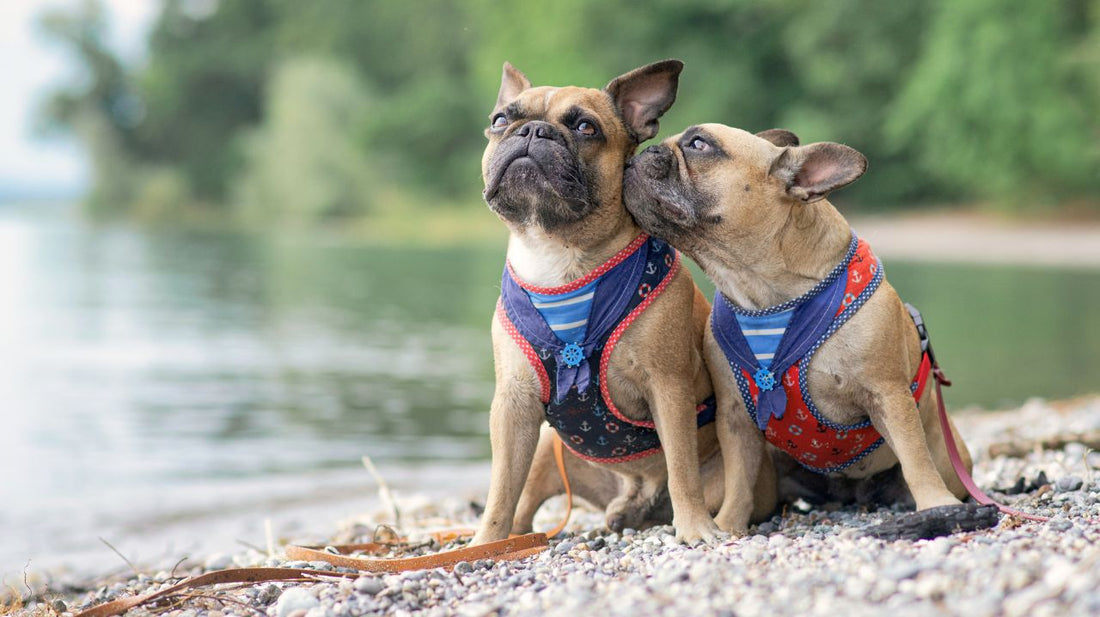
577, 399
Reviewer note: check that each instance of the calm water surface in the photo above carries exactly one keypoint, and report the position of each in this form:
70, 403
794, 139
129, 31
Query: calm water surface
142, 372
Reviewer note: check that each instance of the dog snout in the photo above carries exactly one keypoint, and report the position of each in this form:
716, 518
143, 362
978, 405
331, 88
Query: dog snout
655, 162
537, 129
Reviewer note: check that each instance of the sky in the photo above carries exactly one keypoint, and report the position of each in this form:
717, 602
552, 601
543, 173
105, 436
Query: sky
31, 65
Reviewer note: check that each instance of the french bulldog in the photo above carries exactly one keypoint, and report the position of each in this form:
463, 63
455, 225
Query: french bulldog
553, 172
833, 387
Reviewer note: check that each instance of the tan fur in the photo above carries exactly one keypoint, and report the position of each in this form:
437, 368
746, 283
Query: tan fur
769, 247
656, 371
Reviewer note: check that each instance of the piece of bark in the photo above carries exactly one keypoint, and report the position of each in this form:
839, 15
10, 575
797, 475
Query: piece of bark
936, 522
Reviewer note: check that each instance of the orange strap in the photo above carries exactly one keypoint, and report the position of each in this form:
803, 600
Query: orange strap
515, 547
503, 550
559, 458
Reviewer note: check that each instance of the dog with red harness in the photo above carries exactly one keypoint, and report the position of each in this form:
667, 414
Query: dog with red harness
810, 349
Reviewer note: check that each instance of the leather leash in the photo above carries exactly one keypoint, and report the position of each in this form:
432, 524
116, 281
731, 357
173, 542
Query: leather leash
956, 459
513, 548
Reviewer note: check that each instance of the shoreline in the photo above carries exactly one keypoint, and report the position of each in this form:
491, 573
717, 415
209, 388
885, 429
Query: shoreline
968, 237
812, 562
937, 235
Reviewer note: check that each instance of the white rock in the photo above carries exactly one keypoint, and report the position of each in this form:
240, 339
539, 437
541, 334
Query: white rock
295, 599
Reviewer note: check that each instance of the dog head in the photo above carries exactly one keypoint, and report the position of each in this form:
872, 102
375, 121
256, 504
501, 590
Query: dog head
556, 155
713, 185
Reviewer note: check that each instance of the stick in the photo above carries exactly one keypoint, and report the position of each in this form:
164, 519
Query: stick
384, 492
121, 556
270, 538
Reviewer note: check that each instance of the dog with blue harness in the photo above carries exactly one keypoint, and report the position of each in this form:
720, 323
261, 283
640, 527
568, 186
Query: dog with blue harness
597, 337
817, 365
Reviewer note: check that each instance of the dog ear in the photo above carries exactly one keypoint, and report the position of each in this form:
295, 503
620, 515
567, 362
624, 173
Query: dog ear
512, 83
812, 172
645, 94
779, 137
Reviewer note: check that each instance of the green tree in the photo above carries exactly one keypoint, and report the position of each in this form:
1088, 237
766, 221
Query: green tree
993, 108
849, 58
303, 164
101, 111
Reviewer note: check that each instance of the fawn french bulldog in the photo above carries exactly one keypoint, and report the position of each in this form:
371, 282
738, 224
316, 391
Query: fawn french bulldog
598, 331
809, 348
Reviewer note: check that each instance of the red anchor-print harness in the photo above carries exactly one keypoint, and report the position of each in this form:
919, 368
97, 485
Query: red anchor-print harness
802, 432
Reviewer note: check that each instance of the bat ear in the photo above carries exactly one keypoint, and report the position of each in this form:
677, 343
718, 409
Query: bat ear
779, 137
512, 83
644, 95
812, 172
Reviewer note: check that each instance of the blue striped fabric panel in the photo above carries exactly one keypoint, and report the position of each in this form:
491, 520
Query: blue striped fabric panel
764, 333
567, 313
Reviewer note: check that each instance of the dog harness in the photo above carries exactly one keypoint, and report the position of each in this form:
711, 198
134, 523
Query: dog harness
571, 361
770, 349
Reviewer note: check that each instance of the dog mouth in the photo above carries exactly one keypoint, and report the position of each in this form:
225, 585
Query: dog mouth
502, 165
654, 200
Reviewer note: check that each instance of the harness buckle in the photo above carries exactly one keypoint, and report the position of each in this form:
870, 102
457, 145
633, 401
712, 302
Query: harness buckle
926, 344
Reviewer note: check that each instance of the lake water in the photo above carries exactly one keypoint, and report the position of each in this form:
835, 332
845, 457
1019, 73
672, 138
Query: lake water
151, 377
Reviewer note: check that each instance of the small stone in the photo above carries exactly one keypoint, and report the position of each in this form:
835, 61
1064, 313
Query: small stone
1060, 524
268, 594
369, 585
563, 548
1067, 484
902, 572
463, 567
218, 561
293, 600
778, 541
766, 528
58, 606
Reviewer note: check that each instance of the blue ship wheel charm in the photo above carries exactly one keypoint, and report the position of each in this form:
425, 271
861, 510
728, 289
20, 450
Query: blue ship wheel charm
765, 379
572, 355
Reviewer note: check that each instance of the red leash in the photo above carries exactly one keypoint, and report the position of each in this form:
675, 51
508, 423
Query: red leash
956, 460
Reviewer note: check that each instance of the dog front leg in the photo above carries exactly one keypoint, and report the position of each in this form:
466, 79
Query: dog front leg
514, 419
743, 454
895, 415
674, 416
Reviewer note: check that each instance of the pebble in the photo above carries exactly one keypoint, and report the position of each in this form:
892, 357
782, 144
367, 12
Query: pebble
218, 561
1068, 484
369, 585
294, 600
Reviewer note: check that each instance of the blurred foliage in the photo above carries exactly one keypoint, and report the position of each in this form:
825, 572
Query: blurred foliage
275, 111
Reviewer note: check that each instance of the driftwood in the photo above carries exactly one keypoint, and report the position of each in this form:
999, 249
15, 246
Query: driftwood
1021, 448
936, 522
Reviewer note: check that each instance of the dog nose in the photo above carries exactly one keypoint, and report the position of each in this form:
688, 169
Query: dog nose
655, 162
537, 129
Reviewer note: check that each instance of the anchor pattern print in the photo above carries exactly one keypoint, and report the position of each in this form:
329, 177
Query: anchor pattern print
585, 420
802, 432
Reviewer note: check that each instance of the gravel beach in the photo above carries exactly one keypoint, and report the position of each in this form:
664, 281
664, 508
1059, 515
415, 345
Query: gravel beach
806, 562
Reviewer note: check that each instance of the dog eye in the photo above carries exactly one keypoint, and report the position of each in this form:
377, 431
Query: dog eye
500, 121
699, 144
586, 128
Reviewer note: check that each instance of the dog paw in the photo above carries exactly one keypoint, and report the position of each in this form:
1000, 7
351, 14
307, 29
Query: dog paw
701, 529
731, 525
936, 522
